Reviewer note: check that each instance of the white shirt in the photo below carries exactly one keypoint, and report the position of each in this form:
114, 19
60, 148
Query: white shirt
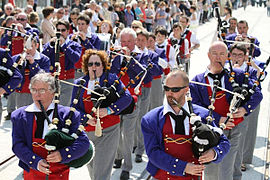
211, 81
168, 108
172, 61
33, 108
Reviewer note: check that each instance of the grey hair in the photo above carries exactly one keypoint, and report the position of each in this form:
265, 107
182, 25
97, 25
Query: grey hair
128, 31
9, 5
43, 77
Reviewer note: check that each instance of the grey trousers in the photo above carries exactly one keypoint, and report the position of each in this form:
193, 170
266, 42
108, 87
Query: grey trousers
105, 149
11, 103
237, 174
66, 92
78, 74
144, 107
156, 94
250, 135
23, 99
224, 169
127, 129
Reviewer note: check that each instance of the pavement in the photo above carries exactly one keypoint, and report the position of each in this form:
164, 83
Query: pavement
259, 25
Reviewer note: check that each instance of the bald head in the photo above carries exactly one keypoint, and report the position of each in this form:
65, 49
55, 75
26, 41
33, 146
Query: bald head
218, 44
178, 75
218, 54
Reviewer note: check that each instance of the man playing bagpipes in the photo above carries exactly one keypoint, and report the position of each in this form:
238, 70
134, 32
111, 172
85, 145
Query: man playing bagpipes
119, 63
242, 28
97, 78
29, 128
14, 40
218, 55
152, 60
168, 134
30, 62
85, 38
70, 53
9, 75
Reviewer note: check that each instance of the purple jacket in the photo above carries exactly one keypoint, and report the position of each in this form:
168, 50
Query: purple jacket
123, 102
200, 95
22, 126
72, 52
16, 77
152, 124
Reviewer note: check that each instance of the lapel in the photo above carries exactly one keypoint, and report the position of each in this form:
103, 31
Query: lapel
228, 86
28, 128
203, 90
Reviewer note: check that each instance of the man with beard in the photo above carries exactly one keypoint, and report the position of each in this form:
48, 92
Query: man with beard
167, 137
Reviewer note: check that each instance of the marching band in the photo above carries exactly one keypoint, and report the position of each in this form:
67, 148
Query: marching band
83, 100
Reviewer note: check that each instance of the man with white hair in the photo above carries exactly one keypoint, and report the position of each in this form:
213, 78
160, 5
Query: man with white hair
8, 8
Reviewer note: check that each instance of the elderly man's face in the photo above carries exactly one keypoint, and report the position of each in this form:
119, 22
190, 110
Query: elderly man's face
8, 10
22, 19
127, 40
218, 54
41, 92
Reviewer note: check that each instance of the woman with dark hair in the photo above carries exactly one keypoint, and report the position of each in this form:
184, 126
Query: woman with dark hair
94, 66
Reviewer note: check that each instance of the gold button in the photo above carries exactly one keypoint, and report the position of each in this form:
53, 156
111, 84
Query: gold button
176, 160
251, 110
249, 106
168, 173
166, 135
173, 172
174, 165
101, 122
33, 157
117, 109
168, 178
33, 68
115, 106
30, 162
67, 149
220, 152
69, 156
167, 149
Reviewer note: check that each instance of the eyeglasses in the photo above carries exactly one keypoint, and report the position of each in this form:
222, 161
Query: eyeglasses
21, 19
40, 91
97, 64
9, 9
61, 30
173, 89
237, 55
135, 27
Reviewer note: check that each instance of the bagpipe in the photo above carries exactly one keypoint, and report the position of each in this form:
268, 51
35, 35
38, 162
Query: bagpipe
222, 26
56, 138
6, 71
205, 136
110, 92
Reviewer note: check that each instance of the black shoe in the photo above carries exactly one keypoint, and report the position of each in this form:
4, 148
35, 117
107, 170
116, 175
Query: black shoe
133, 150
117, 163
138, 158
124, 175
7, 117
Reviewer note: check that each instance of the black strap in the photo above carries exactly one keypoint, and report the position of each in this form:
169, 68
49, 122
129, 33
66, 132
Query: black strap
40, 123
179, 123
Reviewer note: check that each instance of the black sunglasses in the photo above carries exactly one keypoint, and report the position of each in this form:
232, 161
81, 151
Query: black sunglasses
97, 64
173, 89
61, 30
21, 19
